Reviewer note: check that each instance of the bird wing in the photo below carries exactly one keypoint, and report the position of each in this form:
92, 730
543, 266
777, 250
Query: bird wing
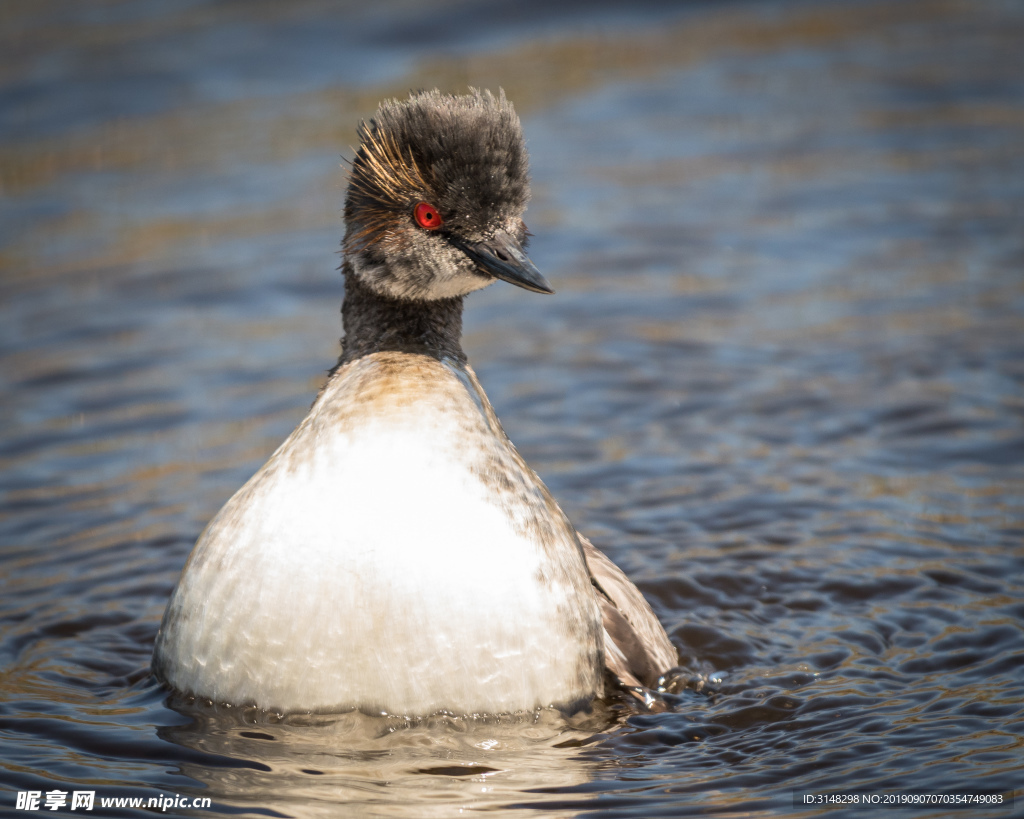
637, 649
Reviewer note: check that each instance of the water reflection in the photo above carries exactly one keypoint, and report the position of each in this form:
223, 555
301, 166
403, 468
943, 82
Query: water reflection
386, 766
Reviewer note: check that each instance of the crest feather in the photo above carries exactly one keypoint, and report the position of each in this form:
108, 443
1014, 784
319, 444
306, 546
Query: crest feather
465, 155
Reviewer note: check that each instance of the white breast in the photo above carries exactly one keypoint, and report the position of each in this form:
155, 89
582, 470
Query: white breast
372, 563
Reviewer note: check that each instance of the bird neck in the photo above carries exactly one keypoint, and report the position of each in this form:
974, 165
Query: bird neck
374, 323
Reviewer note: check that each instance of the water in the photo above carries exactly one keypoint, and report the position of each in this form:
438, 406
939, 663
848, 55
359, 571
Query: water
780, 384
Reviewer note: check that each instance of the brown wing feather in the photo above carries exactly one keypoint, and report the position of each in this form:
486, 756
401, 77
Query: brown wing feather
637, 649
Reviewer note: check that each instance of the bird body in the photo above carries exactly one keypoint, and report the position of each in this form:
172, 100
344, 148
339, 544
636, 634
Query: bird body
405, 611
396, 554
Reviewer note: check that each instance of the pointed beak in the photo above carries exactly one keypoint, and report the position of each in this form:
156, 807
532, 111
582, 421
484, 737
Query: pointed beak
503, 257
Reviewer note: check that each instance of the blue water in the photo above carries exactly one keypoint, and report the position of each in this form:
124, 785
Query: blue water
780, 384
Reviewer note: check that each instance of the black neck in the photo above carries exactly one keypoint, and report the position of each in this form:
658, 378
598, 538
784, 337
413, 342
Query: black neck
375, 323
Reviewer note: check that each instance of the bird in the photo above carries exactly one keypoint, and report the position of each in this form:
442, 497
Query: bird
396, 554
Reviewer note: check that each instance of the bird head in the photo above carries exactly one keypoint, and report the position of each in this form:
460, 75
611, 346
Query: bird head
436, 197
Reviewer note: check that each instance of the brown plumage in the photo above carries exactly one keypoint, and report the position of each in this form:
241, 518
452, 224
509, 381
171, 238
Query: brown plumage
637, 650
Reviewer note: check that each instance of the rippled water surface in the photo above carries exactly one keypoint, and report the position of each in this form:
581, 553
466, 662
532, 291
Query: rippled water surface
780, 384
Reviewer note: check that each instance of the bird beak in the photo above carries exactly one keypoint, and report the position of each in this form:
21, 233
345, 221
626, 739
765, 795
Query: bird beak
502, 257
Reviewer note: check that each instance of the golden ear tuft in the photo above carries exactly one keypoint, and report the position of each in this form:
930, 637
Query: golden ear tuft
383, 171
386, 179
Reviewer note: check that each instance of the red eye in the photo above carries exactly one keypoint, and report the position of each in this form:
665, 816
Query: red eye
427, 216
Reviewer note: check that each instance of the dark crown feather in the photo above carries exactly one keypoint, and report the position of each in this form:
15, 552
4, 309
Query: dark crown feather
464, 154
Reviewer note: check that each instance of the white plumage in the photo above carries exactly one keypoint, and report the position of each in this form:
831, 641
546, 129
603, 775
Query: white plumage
366, 564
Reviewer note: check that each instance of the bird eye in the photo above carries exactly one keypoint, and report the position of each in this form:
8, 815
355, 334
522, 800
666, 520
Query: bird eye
427, 216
